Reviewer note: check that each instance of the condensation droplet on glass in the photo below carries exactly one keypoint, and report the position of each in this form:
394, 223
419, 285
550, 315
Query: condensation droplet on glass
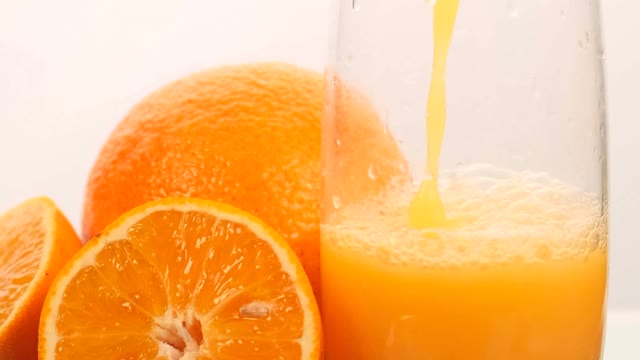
372, 172
386, 129
601, 54
512, 8
349, 59
338, 142
598, 153
386, 118
603, 131
336, 202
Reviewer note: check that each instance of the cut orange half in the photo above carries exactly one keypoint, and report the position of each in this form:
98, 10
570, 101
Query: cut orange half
182, 279
36, 240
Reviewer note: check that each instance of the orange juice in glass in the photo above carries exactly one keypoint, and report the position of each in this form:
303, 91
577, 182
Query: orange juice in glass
499, 249
522, 276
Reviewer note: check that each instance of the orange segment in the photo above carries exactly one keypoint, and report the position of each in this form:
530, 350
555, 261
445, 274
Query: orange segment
35, 242
182, 279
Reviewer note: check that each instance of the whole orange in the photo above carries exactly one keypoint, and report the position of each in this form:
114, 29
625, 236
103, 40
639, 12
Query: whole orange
247, 135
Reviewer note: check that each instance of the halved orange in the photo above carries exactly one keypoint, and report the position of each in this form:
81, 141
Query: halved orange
36, 240
182, 278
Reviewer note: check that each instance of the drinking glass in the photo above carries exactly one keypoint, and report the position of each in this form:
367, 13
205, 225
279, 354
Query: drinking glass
464, 202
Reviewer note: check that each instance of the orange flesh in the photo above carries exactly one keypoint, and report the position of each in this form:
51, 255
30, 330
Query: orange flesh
22, 232
36, 240
198, 292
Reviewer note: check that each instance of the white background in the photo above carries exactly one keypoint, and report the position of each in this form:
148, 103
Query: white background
69, 71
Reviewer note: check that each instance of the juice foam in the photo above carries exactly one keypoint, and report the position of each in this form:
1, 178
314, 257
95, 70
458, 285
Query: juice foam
493, 216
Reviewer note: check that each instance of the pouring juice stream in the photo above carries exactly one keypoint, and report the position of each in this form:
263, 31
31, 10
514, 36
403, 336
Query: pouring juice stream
426, 209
